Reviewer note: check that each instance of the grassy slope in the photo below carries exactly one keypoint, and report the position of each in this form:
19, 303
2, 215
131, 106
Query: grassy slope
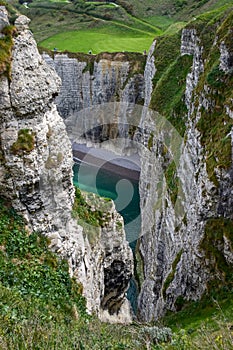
83, 41
177, 9
170, 78
41, 306
99, 28
80, 27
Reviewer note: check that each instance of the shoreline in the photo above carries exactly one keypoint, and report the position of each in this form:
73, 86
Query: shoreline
122, 166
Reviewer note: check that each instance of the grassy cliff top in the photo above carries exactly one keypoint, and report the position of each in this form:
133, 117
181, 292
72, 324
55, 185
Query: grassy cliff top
81, 26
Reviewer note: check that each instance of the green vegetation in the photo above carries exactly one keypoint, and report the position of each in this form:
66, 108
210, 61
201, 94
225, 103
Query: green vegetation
213, 246
138, 266
130, 26
217, 303
170, 81
172, 273
42, 307
87, 26
6, 43
36, 290
172, 181
208, 322
96, 41
31, 271
84, 211
205, 324
150, 141
215, 124
162, 22
25, 142
174, 9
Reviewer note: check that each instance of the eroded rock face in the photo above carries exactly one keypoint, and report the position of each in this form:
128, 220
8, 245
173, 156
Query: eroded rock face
108, 262
36, 177
101, 80
178, 264
4, 21
190, 45
87, 84
226, 58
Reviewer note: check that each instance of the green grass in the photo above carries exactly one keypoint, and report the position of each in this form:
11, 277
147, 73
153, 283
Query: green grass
30, 270
84, 212
124, 29
175, 9
84, 27
163, 22
204, 324
83, 41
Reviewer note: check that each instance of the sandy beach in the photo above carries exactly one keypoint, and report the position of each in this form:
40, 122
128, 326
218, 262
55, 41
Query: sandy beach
125, 166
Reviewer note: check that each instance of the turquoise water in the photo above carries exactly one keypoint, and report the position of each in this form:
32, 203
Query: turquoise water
125, 194
123, 191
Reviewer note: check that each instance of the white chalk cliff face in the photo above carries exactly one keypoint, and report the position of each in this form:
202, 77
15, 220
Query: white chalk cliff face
102, 80
175, 248
36, 177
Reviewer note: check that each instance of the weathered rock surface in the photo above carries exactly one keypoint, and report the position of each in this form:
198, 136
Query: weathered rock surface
36, 177
4, 21
88, 84
178, 263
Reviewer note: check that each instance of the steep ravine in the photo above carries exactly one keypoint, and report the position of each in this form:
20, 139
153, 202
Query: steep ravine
185, 150
185, 144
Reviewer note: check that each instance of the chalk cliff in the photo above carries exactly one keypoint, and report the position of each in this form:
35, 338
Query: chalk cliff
186, 187
93, 80
36, 178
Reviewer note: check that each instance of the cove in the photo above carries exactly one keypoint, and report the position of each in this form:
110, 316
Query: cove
124, 191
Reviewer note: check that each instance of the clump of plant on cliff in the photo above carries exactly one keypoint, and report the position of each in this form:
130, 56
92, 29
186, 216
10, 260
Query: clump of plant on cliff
6, 44
25, 142
83, 211
6, 41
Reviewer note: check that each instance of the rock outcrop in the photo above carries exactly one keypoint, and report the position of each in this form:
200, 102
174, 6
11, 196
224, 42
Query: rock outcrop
36, 178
